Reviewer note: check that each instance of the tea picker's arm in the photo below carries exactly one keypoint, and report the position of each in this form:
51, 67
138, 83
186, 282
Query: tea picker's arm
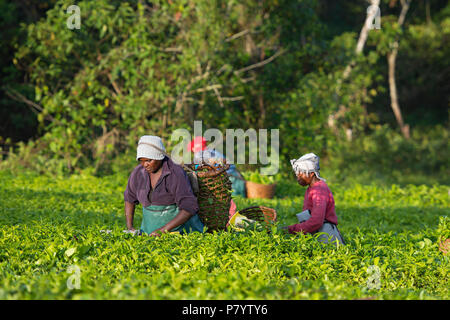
181, 218
129, 214
131, 201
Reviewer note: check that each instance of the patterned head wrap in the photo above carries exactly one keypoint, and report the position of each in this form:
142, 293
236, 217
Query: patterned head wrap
306, 164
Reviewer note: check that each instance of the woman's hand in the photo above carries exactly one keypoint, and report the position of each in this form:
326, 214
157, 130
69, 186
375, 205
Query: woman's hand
181, 218
133, 231
158, 232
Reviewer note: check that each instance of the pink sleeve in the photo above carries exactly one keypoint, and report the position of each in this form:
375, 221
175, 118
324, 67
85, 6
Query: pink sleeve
319, 198
232, 209
306, 201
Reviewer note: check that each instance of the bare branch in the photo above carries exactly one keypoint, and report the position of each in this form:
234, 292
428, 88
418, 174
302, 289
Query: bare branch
223, 68
114, 84
261, 63
13, 94
207, 88
238, 98
218, 96
245, 80
237, 35
177, 49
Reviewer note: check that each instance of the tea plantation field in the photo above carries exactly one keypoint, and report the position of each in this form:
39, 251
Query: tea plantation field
51, 241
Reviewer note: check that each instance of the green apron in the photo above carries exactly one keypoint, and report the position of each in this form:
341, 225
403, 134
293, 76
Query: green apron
155, 217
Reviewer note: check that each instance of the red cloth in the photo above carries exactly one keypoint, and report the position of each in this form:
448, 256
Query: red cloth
320, 202
197, 144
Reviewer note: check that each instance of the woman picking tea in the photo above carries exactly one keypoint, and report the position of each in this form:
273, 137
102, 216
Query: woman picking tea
318, 200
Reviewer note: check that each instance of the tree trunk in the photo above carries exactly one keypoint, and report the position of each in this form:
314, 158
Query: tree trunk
362, 38
262, 110
189, 113
427, 10
391, 57
348, 69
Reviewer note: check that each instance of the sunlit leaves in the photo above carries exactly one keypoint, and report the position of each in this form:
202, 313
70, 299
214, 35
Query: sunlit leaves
47, 225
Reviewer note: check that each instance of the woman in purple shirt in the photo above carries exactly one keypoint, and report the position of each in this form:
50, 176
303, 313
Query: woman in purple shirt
163, 189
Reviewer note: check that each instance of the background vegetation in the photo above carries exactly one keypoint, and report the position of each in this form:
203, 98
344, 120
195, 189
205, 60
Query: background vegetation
76, 100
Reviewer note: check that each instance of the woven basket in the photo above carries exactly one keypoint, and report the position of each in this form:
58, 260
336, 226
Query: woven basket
257, 190
214, 196
263, 215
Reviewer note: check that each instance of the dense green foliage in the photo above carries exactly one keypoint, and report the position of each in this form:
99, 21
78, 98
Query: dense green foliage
256, 177
139, 67
47, 225
384, 156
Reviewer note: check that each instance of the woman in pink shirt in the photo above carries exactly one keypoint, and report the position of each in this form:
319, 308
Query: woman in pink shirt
318, 200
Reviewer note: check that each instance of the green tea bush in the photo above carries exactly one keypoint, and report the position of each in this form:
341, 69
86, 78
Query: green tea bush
50, 225
256, 177
385, 156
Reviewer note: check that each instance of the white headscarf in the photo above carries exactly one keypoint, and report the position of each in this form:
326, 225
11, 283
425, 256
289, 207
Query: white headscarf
306, 164
150, 147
